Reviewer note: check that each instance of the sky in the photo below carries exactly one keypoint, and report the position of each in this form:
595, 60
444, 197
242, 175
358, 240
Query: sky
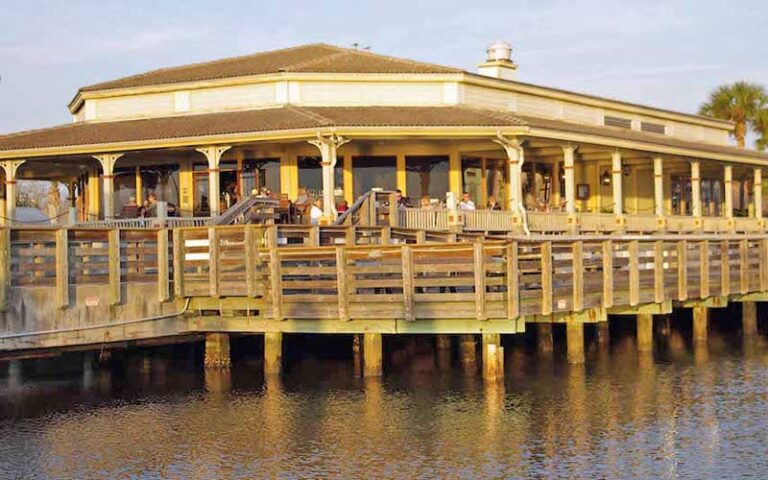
669, 54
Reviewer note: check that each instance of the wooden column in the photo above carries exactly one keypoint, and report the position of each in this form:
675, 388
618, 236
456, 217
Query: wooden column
357, 354
758, 193
217, 350
107, 162
114, 266
749, 319
616, 183
454, 173
5, 267
728, 193
575, 341
273, 353
603, 335
328, 147
400, 174
479, 266
570, 180
544, 341
213, 259
443, 348
163, 287
373, 364
178, 262
696, 188
493, 357
468, 353
62, 267
406, 260
10, 167
658, 186
644, 327
700, 324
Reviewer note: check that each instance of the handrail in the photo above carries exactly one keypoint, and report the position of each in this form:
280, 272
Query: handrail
353, 209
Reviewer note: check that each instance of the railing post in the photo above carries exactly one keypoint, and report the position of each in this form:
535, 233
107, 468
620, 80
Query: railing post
421, 236
314, 236
178, 262
5, 267
704, 269
479, 262
393, 210
276, 283
763, 243
252, 259
607, 248
351, 236
634, 272
409, 307
513, 293
546, 278
341, 283
213, 259
743, 268
386, 235
163, 289
658, 271
62, 267
682, 270
577, 250
114, 266
725, 268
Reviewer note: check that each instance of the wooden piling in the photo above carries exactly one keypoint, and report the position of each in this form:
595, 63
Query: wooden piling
62, 267
217, 351
468, 353
273, 353
700, 321
644, 327
493, 357
163, 287
575, 341
373, 365
357, 354
443, 349
603, 335
544, 342
749, 319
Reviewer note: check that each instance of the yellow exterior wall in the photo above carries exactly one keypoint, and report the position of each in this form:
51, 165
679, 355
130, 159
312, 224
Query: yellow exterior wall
186, 188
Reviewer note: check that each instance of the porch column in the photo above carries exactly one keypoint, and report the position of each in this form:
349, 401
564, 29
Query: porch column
94, 202
107, 161
213, 155
618, 195
10, 167
328, 147
658, 186
515, 158
696, 188
758, 193
728, 194
570, 180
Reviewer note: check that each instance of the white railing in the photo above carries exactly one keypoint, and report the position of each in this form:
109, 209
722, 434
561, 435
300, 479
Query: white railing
683, 224
423, 219
747, 224
138, 223
489, 221
546, 222
641, 223
599, 222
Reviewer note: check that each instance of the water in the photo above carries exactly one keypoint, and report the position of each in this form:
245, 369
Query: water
683, 413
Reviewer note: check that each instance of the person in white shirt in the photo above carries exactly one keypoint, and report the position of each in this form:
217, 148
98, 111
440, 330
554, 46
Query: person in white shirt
316, 212
466, 202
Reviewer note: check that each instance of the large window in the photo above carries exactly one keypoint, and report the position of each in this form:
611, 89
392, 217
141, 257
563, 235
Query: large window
261, 173
125, 192
537, 185
426, 175
472, 178
374, 172
311, 176
163, 181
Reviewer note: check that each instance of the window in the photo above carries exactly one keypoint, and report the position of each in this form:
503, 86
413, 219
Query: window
374, 172
426, 175
261, 173
311, 176
653, 127
619, 122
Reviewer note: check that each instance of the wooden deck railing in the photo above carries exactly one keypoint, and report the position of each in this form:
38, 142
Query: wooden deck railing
383, 272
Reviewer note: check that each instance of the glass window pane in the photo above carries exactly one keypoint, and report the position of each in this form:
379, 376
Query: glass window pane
427, 175
261, 173
125, 192
374, 172
472, 178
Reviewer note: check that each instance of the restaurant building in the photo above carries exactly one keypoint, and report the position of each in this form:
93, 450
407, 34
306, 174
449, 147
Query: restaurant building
339, 122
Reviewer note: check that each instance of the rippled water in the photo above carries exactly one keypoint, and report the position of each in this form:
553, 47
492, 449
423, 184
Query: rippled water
687, 414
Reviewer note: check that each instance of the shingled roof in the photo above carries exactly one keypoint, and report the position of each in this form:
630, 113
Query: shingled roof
249, 121
316, 58
292, 117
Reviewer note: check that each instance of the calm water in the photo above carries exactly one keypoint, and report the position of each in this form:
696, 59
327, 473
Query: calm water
687, 414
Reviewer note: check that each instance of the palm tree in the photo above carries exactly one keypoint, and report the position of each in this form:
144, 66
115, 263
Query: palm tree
741, 102
761, 129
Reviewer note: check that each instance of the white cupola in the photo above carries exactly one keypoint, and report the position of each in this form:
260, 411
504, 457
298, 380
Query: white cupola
498, 62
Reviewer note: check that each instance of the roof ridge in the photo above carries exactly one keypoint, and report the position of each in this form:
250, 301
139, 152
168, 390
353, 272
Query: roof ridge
312, 115
210, 62
313, 60
368, 53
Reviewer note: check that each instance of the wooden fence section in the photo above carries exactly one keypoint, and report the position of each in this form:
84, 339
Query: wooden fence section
359, 273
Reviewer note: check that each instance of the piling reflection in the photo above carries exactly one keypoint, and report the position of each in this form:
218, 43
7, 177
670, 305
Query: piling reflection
629, 414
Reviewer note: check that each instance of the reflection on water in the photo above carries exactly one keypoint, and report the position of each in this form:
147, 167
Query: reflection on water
698, 413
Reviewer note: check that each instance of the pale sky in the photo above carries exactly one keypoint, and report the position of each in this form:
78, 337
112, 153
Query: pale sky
669, 54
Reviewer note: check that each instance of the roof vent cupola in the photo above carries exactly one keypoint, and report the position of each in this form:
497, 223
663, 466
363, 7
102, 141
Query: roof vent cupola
498, 62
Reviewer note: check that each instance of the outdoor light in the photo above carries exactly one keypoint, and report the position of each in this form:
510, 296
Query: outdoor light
605, 178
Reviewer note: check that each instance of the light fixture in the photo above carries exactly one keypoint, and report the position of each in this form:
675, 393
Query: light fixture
605, 178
